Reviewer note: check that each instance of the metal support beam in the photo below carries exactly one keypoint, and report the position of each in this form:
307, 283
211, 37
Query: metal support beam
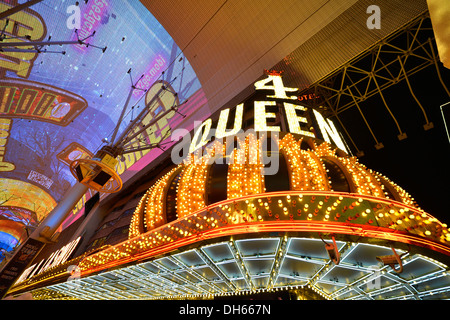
359, 153
280, 254
37, 43
401, 134
127, 139
147, 147
139, 117
6, 46
394, 58
116, 129
51, 223
241, 265
31, 50
381, 67
435, 60
213, 266
123, 139
428, 124
378, 145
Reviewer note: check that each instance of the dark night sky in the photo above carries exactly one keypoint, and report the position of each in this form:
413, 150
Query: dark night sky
420, 163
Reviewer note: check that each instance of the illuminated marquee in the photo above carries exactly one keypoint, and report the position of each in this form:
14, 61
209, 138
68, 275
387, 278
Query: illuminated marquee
296, 124
56, 258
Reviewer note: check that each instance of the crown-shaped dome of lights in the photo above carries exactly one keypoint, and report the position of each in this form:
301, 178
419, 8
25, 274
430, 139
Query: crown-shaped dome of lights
326, 192
314, 170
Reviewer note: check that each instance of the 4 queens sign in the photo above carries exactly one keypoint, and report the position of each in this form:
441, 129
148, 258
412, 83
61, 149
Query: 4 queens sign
265, 111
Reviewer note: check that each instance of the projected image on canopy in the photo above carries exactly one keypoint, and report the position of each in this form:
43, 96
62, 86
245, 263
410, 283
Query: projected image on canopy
59, 103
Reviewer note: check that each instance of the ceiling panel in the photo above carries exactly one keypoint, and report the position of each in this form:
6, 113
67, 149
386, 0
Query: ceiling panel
423, 277
230, 43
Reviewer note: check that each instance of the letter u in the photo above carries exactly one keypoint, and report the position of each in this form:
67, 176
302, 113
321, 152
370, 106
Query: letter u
221, 131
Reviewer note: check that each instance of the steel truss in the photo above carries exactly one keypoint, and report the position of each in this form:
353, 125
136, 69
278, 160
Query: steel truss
391, 60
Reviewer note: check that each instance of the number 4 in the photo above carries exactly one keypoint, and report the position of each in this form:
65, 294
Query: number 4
278, 87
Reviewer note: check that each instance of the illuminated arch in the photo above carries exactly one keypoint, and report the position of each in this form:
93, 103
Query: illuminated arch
306, 170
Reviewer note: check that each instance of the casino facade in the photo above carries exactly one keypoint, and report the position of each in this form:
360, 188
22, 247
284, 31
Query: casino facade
268, 206
224, 150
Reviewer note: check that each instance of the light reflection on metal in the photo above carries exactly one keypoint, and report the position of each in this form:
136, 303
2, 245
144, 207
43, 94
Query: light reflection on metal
168, 238
188, 275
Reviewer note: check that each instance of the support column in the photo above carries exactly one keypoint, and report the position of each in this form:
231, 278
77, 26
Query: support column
43, 234
46, 229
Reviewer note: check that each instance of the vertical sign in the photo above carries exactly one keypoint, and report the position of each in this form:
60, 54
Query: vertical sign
18, 263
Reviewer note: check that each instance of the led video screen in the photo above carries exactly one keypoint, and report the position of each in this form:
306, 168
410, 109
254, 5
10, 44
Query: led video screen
61, 102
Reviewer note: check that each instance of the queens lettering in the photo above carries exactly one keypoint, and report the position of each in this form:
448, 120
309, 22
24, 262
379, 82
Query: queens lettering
296, 124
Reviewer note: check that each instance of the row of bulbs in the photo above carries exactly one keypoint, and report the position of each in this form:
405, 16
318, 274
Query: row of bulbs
307, 172
261, 208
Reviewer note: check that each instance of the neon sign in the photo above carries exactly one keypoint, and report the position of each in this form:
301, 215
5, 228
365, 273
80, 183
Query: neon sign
56, 258
296, 124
